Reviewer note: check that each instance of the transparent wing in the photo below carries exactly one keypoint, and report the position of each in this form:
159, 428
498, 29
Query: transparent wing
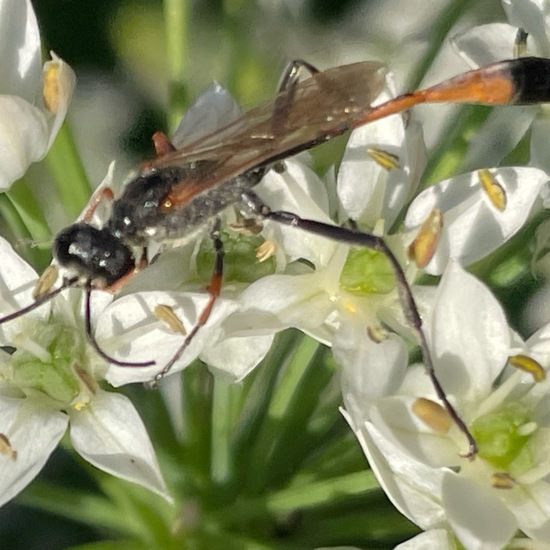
310, 112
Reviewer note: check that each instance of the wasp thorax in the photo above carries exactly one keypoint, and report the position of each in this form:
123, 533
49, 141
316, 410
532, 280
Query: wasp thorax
93, 253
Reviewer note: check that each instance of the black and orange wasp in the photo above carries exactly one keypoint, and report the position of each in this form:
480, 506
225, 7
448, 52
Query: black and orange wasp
184, 189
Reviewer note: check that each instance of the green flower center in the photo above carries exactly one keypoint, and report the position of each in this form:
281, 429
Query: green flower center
240, 263
504, 438
367, 272
50, 359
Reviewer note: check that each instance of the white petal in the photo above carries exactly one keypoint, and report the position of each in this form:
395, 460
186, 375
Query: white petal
129, 331
298, 190
296, 300
368, 191
110, 435
20, 47
471, 344
434, 539
472, 226
412, 487
17, 282
395, 419
33, 433
23, 138
238, 355
369, 370
533, 510
479, 519
486, 44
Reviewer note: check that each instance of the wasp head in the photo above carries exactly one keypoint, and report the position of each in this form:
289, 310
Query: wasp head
95, 254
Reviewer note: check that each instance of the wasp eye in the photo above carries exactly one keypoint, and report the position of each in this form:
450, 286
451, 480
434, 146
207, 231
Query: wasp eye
95, 254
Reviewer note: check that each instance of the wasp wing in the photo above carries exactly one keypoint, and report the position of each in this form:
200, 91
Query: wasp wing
310, 112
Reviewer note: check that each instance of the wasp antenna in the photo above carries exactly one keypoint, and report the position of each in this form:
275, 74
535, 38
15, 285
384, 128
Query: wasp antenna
93, 341
40, 300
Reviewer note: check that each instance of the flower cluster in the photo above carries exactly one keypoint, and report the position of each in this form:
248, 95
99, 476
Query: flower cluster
346, 297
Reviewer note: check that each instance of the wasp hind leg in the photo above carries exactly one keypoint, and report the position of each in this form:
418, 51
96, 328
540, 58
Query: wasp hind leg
253, 204
286, 92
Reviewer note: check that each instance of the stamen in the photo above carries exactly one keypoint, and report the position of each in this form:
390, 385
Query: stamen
432, 414
45, 281
166, 314
528, 364
423, 248
247, 226
527, 429
50, 90
377, 334
388, 161
520, 43
493, 189
265, 251
6, 448
502, 480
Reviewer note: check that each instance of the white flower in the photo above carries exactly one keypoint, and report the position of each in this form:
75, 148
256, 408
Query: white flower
474, 223
49, 382
414, 448
33, 101
381, 167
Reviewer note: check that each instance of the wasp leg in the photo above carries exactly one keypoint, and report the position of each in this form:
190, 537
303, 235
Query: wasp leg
105, 193
286, 91
292, 72
349, 236
214, 289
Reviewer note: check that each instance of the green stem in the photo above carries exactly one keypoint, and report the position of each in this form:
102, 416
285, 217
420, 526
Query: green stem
302, 497
441, 29
21, 209
176, 21
221, 463
65, 165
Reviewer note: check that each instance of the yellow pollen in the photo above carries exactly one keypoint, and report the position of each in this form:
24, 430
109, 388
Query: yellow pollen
349, 306
6, 448
79, 405
265, 251
50, 90
388, 161
45, 282
423, 248
493, 189
432, 414
166, 314
502, 480
377, 334
528, 364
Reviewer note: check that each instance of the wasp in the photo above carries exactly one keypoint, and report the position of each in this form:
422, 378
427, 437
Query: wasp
184, 190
